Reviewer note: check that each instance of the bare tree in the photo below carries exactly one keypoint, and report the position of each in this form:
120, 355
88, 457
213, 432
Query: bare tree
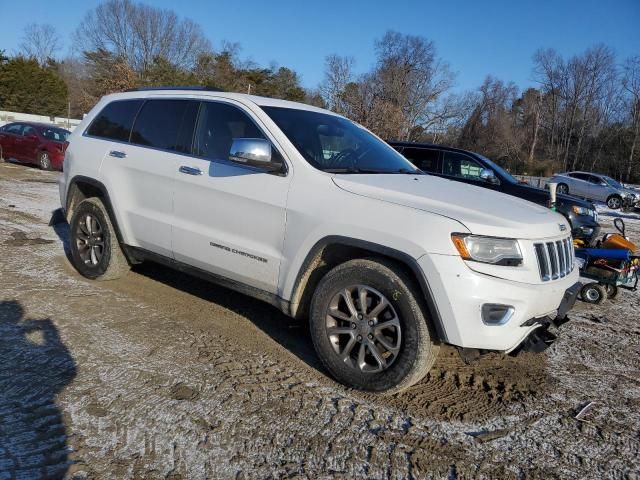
139, 33
411, 77
631, 85
338, 73
40, 41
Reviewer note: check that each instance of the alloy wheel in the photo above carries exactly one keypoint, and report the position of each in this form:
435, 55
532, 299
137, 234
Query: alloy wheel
45, 162
90, 240
364, 329
614, 203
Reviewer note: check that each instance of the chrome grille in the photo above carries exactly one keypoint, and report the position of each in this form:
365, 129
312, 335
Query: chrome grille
555, 259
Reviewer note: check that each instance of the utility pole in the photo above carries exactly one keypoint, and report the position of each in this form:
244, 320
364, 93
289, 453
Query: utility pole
249, 89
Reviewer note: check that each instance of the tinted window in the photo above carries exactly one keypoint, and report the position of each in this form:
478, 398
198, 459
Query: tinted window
425, 159
159, 123
115, 120
596, 180
581, 176
16, 129
28, 130
462, 166
57, 134
335, 144
218, 125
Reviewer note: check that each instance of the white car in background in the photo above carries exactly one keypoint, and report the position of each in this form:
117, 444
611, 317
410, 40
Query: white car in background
594, 186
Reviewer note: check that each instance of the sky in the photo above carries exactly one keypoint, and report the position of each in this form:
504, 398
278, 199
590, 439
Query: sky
476, 37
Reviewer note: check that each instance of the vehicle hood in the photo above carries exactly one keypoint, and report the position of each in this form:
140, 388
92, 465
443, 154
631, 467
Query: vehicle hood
481, 211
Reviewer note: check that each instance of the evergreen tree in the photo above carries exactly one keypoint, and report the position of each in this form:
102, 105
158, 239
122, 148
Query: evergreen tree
28, 87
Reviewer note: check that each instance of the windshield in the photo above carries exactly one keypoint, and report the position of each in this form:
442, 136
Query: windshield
612, 182
57, 134
497, 168
335, 144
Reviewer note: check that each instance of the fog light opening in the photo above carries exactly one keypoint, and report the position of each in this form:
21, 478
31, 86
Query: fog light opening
496, 314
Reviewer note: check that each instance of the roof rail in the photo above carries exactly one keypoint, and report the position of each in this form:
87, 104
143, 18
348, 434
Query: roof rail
190, 87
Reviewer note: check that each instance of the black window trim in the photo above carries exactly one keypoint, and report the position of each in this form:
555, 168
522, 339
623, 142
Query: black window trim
262, 129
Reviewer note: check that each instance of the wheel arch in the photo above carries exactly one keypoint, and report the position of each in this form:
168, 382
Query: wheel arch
333, 250
81, 188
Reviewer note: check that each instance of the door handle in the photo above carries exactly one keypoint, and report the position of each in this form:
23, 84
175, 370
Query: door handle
190, 170
117, 154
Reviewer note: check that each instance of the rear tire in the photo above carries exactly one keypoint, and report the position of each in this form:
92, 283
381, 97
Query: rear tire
95, 250
382, 347
563, 188
593, 293
612, 291
614, 202
44, 161
1, 157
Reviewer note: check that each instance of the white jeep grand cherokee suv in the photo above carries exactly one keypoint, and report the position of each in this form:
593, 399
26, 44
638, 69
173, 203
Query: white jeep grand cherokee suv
311, 212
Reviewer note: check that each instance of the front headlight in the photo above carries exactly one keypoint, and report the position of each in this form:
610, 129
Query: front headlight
582, 210
497, 251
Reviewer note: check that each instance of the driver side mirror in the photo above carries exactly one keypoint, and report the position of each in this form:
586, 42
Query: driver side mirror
254, 152
489, 176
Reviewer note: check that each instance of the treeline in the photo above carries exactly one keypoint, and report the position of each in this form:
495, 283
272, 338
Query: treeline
584, 112
122, 45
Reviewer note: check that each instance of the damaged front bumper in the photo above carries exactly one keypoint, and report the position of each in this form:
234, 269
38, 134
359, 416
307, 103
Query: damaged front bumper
541, 338
543, 335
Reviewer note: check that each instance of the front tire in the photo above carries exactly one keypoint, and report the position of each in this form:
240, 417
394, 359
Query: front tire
95, 250
562, 188
614, 202
369, 328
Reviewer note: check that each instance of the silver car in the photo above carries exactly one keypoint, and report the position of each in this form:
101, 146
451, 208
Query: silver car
595, 187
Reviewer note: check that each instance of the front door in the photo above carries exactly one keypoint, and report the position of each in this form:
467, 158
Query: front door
229, 219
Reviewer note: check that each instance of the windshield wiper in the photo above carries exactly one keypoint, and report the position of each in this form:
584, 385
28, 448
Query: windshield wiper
371, 170
353, 170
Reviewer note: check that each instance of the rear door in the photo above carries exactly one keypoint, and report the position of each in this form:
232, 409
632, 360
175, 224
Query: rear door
229, 219
8, 138
140, 166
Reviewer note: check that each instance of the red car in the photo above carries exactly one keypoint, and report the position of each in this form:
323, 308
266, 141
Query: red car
37, 143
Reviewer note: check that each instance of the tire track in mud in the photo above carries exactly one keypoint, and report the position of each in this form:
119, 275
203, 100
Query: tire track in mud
176, 378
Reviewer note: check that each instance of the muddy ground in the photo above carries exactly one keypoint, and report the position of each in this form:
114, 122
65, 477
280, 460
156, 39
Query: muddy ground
160, 375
